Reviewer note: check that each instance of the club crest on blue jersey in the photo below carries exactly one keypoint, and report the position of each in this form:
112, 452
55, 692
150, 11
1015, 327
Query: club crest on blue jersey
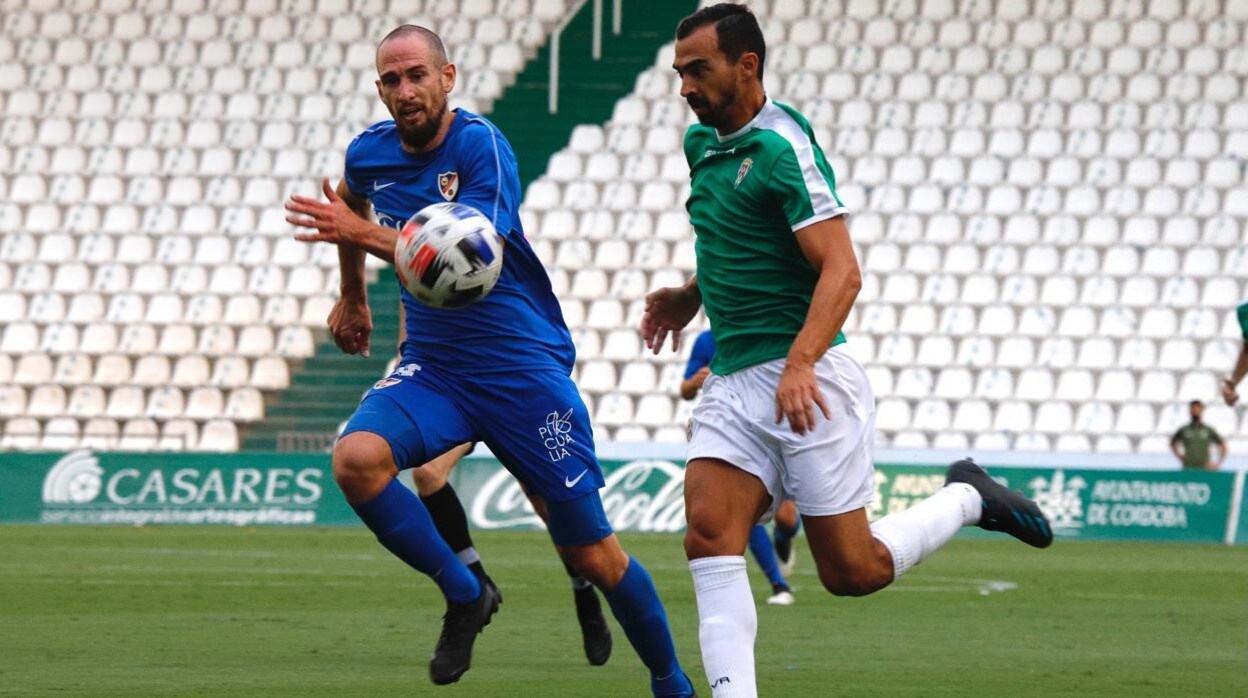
448, 184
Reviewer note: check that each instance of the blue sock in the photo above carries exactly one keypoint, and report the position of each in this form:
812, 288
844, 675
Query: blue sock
402, 524
635, 604
765, 553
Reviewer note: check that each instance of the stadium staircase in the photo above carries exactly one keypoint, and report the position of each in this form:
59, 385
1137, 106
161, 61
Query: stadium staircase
325, 390
322, 393
588, 89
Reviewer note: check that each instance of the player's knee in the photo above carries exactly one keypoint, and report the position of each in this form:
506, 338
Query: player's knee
362, 468
427, 481
602, 565
705, 539
854, 582
786, 514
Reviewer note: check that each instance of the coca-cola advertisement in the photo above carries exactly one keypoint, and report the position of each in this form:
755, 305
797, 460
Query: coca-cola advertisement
639, 495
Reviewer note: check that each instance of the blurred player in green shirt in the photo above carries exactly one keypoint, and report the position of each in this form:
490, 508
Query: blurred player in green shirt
1196, 437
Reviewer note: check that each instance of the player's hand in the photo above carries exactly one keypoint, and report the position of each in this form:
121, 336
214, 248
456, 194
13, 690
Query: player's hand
797, 395
351, 323
667, 311
700, 377
1228, 392
332, 220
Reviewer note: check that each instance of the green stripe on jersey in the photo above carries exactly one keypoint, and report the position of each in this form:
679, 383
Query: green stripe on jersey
750, 191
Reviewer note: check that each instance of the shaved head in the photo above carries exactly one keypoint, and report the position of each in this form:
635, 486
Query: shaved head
437, 51
414, 78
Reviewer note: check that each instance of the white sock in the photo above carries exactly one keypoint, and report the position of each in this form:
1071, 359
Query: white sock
727, 624
468, 555
917, 532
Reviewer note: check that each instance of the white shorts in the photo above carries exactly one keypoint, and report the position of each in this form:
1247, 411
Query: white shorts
827, 471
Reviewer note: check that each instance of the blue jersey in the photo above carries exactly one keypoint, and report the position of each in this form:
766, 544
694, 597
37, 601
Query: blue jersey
518, 325
701, 355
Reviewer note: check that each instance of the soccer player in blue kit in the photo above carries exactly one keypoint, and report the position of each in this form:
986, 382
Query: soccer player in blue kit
497, 371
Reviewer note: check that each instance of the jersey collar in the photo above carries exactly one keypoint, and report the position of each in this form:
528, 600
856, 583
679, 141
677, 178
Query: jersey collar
749, 126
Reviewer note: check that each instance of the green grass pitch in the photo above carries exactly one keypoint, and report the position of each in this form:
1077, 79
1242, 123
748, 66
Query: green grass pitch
214, 611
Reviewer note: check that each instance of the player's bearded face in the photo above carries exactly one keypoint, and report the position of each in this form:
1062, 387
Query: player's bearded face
710, 108
417, 119
709, 80
413, 84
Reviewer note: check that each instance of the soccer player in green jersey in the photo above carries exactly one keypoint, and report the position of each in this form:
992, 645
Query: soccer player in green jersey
1230, 383
776, 274
1194, 441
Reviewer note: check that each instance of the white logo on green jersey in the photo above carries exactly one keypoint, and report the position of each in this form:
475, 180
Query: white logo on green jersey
744, 170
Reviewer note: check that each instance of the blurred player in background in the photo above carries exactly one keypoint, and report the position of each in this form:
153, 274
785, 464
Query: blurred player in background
451, 521
696, 371
1193, 442
1230, 384
777, 276
497, 371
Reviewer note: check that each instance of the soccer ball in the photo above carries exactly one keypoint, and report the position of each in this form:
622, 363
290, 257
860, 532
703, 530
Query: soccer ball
448, 255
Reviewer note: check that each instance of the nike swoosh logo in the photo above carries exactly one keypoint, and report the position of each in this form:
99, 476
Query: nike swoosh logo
572, 483
378, 186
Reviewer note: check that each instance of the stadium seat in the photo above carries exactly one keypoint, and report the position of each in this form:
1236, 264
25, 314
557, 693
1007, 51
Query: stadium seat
100, 433
244, 405
140, 435
892, 415
269, 373
178, 435
151, 370
913, 383
932, 415
32, 370
654, 410
164, 403
125, 402
21, 433
46, 401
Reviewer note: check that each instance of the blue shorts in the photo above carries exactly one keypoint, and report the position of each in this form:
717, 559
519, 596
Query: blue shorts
534, 422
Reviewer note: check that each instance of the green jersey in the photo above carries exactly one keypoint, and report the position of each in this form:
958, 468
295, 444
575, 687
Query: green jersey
750, 191
1196, 438
1243, 319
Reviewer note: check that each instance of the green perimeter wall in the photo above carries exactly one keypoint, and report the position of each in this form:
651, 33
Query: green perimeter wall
259, 488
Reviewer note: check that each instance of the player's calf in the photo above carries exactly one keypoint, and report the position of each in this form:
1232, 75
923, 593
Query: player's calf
625, 584
855, 582
849, 558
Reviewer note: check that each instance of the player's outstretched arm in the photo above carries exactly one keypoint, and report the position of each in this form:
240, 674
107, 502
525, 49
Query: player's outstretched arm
668, 311
335, 222
827, 247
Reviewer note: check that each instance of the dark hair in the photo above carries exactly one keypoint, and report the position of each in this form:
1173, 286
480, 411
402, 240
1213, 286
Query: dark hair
431, 39
736, 27
1194, 403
